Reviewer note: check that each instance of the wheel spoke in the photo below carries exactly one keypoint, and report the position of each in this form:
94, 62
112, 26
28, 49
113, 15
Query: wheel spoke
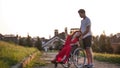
79, 57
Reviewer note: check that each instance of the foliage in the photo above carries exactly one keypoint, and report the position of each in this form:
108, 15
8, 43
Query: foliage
3, 65
112, 58
95, 45
102, 40
10, 54
36, 61
29, 41
26, 41
102, 44
22, 41
38, 44
58, 45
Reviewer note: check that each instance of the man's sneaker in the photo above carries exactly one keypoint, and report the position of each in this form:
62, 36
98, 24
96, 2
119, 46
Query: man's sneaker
85, 65
90, 66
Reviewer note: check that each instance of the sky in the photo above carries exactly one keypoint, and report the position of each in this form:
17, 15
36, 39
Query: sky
42, 17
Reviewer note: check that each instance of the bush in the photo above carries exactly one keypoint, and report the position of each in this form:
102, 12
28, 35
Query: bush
112, 58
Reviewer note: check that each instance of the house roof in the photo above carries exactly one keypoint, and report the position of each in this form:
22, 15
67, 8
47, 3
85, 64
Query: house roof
52, 40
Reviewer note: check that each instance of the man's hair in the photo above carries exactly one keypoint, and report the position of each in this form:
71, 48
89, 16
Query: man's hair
81, 11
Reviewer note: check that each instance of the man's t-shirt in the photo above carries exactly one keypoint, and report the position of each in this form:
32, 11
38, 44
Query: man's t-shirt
84, 23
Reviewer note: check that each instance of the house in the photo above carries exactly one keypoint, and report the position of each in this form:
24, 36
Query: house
51, 43
1, 36
116, 47
10, 38
115, 43
57, 37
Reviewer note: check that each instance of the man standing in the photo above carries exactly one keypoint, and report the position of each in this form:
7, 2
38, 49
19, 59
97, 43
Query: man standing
85, 29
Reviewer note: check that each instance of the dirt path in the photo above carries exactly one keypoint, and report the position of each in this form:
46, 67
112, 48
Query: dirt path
49, 56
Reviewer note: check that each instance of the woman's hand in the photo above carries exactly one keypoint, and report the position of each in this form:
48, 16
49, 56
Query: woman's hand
78, 43
72, 44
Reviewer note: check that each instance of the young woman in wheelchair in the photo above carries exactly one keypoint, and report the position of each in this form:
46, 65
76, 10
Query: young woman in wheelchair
64, 53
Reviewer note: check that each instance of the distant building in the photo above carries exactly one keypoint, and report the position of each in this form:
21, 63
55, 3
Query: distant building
51, 43
118, 35
10, 38
74, 29
58, 37
1, 36
56, 32
116, 47
115, 43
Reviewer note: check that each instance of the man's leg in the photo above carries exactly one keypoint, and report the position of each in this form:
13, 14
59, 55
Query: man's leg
87, 46
89, 55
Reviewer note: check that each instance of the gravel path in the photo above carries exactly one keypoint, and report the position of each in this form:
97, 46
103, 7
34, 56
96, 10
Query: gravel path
49, 56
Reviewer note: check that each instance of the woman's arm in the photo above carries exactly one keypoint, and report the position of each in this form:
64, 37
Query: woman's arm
74, 40
78, 43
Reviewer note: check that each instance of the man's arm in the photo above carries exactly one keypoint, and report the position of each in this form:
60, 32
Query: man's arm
87, 30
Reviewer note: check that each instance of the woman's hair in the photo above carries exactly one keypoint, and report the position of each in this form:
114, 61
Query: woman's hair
76, 34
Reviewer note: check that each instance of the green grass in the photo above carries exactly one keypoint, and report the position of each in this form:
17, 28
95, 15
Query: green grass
11, 54
112, 58
36, 62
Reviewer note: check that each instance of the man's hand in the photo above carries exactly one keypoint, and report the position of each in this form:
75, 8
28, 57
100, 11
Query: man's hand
81, 36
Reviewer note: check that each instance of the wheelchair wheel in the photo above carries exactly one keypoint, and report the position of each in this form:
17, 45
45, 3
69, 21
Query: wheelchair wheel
79, 58
68, 63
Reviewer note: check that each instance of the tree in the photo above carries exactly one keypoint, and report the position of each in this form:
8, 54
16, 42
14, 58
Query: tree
105, 44
29, 41
102, 43
108, 46
58, 44
22, 41
38, 43
95, 44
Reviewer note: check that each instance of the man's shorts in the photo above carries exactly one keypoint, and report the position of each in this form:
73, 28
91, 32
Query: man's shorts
87, 42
